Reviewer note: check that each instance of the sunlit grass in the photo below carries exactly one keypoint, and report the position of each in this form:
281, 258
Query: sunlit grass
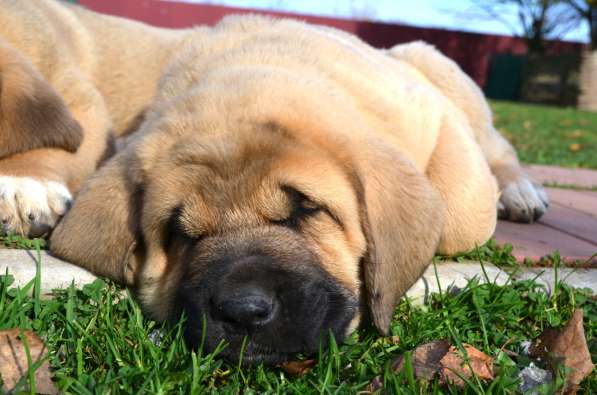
100, 342
549, 135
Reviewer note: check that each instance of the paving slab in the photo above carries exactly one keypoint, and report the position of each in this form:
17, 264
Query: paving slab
544, 174
577, 278
459, 273
583, 201
535, 241
452, 274
55, 273
572, 222
569, 226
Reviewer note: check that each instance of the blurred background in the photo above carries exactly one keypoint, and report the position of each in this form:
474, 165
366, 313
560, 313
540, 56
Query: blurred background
537, 51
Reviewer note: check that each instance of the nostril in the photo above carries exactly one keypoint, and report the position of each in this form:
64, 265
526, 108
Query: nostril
247, 309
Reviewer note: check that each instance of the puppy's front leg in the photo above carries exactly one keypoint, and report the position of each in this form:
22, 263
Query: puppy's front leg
31, 206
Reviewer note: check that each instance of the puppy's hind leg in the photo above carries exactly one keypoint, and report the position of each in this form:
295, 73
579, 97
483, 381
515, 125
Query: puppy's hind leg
521, 199
37, 185
459, 172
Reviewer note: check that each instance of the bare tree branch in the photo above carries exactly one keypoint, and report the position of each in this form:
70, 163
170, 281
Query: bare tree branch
535, 21
586, 10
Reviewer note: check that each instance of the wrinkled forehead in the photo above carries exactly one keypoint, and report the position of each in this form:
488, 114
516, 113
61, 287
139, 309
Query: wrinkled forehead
243, 177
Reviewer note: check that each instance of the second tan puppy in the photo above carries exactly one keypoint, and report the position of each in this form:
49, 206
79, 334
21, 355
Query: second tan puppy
283, 179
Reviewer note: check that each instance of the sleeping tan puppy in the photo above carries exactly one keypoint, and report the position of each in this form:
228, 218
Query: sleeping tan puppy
282, 179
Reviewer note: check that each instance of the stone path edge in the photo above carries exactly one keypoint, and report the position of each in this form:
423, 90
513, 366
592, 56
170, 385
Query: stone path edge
57, 274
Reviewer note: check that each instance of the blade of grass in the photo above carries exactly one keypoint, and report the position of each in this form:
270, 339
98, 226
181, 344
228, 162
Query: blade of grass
37, 285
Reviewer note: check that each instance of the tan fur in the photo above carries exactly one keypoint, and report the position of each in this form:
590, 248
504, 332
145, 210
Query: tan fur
32, 114
226, 116
70, 48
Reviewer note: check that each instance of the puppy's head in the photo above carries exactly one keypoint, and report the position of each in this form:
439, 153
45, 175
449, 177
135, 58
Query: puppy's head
259, 232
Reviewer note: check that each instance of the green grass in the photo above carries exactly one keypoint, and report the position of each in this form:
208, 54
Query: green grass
20, 242
491, 251
100, 343
549, 135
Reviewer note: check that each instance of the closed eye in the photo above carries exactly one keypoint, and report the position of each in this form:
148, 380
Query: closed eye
175, 228
301, 208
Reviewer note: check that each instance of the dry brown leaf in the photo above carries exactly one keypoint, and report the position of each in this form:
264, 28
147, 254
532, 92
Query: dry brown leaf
13, 360
374, 385
298, 368
439, 357
567, 346
453, 366
425, 360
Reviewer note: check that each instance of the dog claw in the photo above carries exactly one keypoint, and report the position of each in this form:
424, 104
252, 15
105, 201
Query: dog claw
522, 201
31, 207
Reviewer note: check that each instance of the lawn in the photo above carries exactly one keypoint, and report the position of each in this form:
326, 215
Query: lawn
549, 135
100, 342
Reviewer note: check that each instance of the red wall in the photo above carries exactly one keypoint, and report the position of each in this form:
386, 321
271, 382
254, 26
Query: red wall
471, 51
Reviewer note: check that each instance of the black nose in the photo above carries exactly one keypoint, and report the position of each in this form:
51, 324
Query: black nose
249, 306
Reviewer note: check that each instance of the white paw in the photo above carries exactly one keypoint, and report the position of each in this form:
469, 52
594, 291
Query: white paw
30, 207
522, 201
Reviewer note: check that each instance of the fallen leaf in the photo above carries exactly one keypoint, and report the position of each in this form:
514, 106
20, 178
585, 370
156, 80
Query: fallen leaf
566, 346
425, 361
13, 360
375, 385
454, 366
574, 147
440, 358
395, 340
298, 368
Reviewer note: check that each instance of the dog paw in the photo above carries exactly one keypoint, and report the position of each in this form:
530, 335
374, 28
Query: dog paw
30, 207
522, 201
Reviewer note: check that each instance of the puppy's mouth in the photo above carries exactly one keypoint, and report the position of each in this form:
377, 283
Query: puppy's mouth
253, 353
264, 310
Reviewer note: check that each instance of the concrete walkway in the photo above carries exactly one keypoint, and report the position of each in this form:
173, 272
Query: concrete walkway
569, 226
55, 273
459, 273
580, 178
58, 274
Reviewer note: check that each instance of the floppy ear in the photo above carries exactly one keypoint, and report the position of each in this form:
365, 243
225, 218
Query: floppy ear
100, 231
32, 114
402, 216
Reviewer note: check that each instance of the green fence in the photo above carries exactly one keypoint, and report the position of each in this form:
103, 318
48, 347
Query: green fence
504, 79
547, 79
